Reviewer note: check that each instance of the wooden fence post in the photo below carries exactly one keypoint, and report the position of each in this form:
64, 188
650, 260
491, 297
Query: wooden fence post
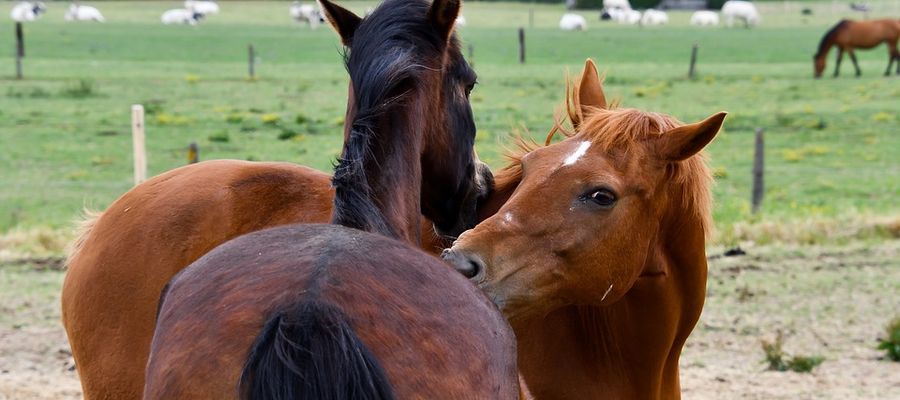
521, 45
193, 153
691, 70
251, 62
137, 139
20, 49
472, 55
758, 171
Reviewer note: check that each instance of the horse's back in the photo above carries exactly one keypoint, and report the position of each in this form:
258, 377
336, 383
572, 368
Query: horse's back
433, 332
132, 249
867, 34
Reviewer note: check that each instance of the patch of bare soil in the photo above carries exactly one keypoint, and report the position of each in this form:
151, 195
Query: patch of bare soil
35, 363
829, 302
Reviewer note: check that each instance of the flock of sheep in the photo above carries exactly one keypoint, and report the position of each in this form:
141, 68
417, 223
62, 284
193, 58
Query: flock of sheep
620, 11
191, 14
614, 10
30, 11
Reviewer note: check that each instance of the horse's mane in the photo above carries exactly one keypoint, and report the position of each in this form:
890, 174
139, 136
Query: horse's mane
381, 62
621, 128
823, 45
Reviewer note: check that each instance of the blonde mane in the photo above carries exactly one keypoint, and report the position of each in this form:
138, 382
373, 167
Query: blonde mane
621, 128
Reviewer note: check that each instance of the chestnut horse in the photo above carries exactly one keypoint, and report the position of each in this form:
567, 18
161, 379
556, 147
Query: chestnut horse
124, 256
597, 257
331, 312
848, 35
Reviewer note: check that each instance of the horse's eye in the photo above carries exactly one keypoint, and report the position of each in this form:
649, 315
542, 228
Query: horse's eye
469, 88
601, 197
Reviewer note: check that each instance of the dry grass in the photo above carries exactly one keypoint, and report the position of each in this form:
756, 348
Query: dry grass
34, 243
810, 231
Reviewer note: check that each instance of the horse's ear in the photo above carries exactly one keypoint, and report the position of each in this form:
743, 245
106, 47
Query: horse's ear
443, 15
588, 94
342, 20
685, 141
590, 88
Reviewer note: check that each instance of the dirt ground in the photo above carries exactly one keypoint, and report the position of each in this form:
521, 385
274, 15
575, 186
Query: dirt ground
832, 302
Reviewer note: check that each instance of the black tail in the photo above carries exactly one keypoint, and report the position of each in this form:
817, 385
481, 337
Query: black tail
311, 352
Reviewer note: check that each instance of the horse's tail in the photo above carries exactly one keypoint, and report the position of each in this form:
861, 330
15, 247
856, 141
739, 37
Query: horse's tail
310, 351
826, 40
84, 230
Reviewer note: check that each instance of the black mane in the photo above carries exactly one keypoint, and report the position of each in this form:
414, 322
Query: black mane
823, 45
385, 59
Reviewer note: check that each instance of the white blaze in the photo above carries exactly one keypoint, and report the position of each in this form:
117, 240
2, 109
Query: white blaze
582, 148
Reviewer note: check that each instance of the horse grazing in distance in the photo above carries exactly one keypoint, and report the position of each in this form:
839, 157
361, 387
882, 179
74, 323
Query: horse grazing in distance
848, 35
123, 257
597, 257
332, 312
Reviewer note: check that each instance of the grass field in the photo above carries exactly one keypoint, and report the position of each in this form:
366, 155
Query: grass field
832, 145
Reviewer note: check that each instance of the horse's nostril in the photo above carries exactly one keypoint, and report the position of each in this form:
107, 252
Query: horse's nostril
465, 264
473, 269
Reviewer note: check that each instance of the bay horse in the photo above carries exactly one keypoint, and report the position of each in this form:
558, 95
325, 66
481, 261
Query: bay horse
347, 311
124, 256
848, 35
597, 255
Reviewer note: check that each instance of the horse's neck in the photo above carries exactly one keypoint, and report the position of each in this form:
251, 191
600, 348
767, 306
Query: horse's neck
823, 52
629, 349
396, 178
382, 195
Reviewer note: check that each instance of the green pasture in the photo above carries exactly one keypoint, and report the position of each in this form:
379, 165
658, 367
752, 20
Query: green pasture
832, 146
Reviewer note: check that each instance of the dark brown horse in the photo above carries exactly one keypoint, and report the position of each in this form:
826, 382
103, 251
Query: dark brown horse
124, 256
848, 35
331, 312
597, 257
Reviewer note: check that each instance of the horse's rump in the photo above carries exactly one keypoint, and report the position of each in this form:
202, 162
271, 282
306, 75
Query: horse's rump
310, 351
428, 327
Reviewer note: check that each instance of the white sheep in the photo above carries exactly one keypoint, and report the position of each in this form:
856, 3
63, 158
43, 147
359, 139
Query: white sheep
460, 21
705, 18
616, 4
181, 16
202, 6
78, 12
306, 12
626, 17
742, 10
572, 22
654, 17
27, 11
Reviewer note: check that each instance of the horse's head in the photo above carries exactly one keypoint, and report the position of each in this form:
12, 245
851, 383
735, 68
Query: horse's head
408, 77
588, 213
818, 65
